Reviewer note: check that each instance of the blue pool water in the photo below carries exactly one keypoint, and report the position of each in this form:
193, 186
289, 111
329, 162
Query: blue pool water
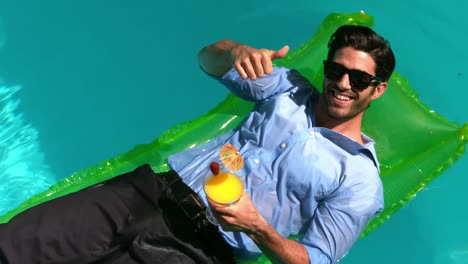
99, 77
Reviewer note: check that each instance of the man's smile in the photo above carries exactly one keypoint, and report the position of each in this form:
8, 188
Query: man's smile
339, 97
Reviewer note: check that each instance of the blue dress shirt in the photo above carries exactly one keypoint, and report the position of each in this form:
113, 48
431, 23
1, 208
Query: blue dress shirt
303, 179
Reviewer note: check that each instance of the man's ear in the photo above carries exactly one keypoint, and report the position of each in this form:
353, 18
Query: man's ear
379, 90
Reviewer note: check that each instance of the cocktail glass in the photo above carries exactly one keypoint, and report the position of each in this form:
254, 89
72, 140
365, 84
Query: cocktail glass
225, 188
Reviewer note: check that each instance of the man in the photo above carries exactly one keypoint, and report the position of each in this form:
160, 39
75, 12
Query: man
309, 171
309, 168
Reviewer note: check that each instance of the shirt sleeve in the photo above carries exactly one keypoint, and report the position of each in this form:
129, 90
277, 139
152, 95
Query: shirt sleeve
279, 81
340, 219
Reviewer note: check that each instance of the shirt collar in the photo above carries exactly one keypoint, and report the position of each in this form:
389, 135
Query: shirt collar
354, 148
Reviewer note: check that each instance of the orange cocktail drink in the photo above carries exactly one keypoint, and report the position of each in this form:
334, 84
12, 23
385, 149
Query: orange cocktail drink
224, 187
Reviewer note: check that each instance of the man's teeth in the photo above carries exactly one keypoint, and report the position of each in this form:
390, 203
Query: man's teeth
342, 97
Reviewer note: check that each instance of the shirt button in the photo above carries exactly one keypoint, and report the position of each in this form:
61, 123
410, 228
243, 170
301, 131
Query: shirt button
256, 161
283, 145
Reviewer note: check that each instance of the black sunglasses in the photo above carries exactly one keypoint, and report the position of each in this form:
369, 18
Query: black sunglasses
359, 80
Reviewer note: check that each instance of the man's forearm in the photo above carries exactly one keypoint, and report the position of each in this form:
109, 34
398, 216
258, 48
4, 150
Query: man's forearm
216, 59
277, 248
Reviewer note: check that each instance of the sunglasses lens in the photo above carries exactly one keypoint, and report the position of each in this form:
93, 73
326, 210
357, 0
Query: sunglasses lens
334, 71
359, 80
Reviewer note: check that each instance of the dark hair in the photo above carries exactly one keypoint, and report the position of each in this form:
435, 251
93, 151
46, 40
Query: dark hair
364, 39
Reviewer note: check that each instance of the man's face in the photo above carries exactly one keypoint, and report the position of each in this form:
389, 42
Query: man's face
339, 100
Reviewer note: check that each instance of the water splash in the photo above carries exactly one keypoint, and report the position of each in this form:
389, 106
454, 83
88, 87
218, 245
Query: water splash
23, 171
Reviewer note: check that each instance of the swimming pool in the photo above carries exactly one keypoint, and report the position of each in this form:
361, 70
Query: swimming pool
99, 78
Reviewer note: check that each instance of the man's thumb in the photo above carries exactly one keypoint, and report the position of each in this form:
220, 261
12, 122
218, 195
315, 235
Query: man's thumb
280, 53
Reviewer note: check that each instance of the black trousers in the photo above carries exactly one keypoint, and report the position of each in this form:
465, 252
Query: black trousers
137, 217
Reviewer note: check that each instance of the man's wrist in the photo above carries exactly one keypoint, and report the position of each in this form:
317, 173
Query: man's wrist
262, 230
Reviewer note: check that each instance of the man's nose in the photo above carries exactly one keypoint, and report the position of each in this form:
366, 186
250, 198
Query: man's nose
344, 83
